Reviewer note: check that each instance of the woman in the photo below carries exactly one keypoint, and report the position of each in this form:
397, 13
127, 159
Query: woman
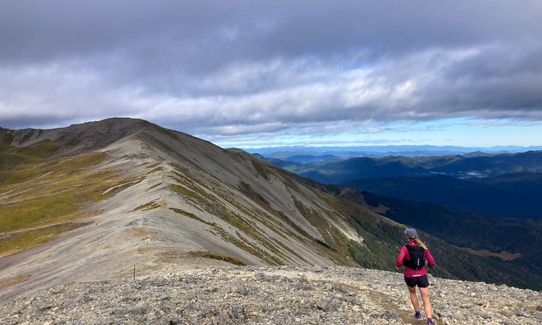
413, 256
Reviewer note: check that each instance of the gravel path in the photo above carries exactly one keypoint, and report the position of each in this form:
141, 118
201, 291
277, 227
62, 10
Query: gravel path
266, 295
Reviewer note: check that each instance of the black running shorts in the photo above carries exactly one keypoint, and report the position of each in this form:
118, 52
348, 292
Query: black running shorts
420, 281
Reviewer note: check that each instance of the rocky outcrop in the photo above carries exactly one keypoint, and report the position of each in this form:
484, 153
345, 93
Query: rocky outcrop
269, 295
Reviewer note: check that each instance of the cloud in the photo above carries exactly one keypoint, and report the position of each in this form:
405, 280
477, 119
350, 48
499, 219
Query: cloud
244, 67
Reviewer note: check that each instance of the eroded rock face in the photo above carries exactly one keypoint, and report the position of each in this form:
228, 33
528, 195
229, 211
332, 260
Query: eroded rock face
266, 295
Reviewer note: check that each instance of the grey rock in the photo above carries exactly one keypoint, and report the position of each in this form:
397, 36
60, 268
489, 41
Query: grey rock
139, 309
44, 306
268, 295
236, 312
390, 315
448, 313
327, 304
244, 290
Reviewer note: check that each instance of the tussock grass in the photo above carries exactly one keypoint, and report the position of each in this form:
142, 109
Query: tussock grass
147, 206
246, 189
260, 169
42, 193
7, 282
335, 242
6, 137
220, 257
192, 216
27, 239
11, 157
57, 196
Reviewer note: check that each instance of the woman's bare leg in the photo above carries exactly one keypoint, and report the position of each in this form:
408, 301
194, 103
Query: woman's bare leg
414, 298
426, 303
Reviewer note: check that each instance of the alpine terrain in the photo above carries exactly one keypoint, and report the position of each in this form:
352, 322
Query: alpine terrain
122, 221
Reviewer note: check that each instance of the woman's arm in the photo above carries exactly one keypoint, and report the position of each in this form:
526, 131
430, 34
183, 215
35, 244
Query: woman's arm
401, 257
430, 259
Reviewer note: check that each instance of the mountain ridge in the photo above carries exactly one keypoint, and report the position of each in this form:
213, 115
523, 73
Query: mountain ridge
159, 196
171, 184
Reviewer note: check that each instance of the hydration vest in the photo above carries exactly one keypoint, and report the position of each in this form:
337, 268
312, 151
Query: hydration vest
417, 257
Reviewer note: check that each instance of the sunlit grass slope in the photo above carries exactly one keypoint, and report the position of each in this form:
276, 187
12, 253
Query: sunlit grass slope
41, 195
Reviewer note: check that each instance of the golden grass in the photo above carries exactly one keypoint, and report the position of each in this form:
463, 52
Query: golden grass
147, 206
192, 216
216, 256
38, 199
7, 282
24, 240
58, 194
11, 157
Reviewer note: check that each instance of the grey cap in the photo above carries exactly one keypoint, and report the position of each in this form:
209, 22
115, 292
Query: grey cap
411, 233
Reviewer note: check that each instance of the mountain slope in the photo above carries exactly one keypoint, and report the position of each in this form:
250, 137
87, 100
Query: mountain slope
139, 197
468, 246
156, 195
511, 195
513, 243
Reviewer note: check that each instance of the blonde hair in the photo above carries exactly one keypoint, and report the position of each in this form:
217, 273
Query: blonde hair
420, 243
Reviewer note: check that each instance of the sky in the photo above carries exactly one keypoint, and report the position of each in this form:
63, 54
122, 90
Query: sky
245, 73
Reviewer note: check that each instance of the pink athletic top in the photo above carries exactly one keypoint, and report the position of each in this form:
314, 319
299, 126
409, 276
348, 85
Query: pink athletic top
410, 273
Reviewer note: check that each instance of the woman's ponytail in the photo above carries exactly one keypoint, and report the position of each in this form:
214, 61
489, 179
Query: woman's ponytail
420, 243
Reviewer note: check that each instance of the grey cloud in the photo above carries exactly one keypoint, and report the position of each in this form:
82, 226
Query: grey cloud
215, 33
236, 67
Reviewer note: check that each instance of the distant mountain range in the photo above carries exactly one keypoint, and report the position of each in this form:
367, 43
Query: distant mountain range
467, 200
321, 153
505, 185
509, 195
336, 171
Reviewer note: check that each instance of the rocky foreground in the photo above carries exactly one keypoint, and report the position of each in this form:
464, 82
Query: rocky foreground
269, 295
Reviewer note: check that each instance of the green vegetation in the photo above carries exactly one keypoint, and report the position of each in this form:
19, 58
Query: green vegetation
335, 242
153, 187
185, 192
213, 205
292, 224
45, 194
249, 192
26, 137
511, 196
40, 194
273, 224
11, 157
27, 239
147, 206
265, 220
216, 256
324, 244
252, 231
383, 239
6, 137
260, 168
192, 216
